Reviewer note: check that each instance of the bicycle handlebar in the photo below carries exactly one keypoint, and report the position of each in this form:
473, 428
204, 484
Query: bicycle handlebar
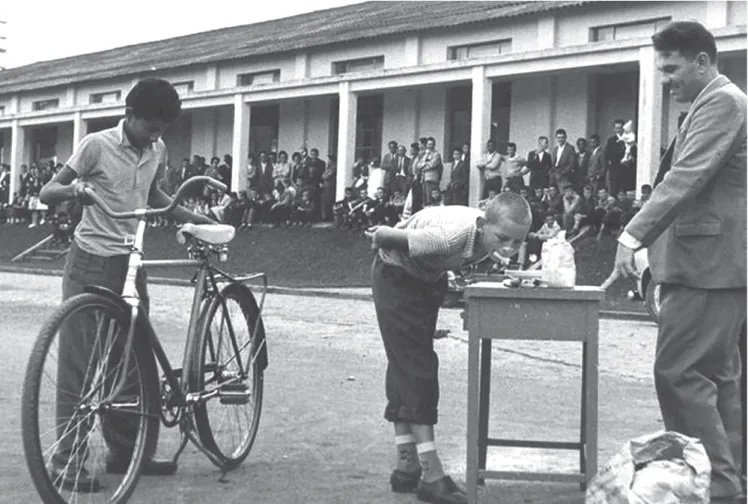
155, 212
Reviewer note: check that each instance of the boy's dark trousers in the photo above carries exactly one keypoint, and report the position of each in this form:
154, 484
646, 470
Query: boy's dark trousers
78, 337
407, 309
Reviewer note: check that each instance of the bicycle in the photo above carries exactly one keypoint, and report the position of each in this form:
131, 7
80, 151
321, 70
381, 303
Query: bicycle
71, 436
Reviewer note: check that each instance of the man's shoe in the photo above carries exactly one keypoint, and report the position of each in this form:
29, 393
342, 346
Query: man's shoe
405, 482
75, 480
152, 467
442, 491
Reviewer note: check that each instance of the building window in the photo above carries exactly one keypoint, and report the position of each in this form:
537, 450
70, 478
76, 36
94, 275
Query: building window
107, 97
482, 50
46, 104
258, 78
358, 65
623, 31
2, 110
184, 88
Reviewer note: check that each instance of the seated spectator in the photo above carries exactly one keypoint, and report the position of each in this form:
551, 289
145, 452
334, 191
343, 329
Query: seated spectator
534, 244
646, 191
267, 200
436, 198
376, 208
629, 206
342, 208
572, 201
607, 214
538, 208
482, 203
395, 207
357, 215
360, 174
280, 211
225, 210
583, 217
554, 202
304, 209
249, 202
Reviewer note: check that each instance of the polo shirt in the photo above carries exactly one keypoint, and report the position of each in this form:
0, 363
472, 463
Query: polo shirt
121, 174
440, 239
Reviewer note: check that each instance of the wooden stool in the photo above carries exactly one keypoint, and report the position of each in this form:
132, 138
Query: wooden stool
497, 312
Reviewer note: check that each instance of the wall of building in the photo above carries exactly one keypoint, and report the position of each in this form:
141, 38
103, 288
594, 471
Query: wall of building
617, 99
318, 125
400, 117
211, 132
321, 60
432, 115
5, 139
229, 70
64, 142
531, 111
291, 126
736, 13
26, 101
178, 139
572, 28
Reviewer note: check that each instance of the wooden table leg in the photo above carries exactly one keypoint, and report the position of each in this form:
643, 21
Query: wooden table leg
485, 398
471, 475
591, 400
583, 427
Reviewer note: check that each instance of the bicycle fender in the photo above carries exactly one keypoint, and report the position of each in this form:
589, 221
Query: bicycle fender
110, 295
262, 358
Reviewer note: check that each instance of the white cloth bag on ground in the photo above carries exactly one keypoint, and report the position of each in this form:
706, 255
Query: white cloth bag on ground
559, 269
661, 468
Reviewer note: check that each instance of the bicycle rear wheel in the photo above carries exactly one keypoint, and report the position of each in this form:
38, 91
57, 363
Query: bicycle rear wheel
71, 423
227, 365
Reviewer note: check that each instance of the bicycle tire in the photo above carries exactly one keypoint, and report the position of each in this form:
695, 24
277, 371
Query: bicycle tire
147, 390
204, 374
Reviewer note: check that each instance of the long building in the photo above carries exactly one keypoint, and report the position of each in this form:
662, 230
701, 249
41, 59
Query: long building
348, 80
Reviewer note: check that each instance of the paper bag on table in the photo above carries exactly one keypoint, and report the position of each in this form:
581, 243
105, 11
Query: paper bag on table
660, 468
559, 269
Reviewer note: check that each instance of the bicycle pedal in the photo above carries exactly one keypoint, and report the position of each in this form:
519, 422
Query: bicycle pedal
234, 393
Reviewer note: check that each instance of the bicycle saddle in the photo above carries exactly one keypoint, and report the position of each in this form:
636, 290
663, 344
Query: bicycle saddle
215, 234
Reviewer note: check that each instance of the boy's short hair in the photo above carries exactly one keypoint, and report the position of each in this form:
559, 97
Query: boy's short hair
587, 186
508, 205
154, 98
561, 131
215, 158
647, 188
414, 145
595, 137
512, 144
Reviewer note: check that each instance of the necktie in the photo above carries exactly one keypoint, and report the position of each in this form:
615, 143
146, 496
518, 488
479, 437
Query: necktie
400, 165
665, 164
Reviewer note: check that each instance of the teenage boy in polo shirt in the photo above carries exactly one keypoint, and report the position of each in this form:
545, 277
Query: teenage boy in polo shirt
409, 283
120, 164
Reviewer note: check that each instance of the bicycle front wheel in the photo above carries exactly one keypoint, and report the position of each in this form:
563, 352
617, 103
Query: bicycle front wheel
227, 372
82, 442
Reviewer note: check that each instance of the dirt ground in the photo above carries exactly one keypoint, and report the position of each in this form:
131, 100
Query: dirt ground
322, 438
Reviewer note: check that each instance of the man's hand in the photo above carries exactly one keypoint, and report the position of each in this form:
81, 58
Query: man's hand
80, 193
624, 266
375, 236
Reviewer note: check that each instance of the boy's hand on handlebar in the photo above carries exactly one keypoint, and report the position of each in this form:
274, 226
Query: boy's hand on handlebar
81, 195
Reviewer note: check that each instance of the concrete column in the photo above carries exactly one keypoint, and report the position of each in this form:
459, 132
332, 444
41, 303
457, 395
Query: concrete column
240, 142
79, 129
346, 137
649, 128
546, 32
716, 13
480, 130
15, 105
17, 149
211, 77
70, 96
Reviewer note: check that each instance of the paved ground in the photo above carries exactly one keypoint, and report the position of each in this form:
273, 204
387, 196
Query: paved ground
322, 438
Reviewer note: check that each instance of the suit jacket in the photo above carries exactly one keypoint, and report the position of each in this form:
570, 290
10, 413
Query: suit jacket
389, 165
596, 168
564, 168
583, 163
539, 170
614, 150
459, 175
431, 167
694, 224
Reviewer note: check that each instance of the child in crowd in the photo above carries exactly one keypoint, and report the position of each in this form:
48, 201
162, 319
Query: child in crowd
342, 208
550, 229
280, 211
571, 201
607, 214
395, 207
554, 202
409, 282
436, 198
482, 204
304, 209
583, 218
375, 208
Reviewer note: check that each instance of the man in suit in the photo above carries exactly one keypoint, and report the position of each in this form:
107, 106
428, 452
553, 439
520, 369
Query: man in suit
540, 164
694, 226
389, 165
615, 148
459, 179
564, 161
402, 177
583, 162
431, 170
596, 169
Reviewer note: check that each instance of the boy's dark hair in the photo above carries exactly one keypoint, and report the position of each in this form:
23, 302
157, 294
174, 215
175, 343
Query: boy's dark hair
315, 150
647, 188
595, 137
619, 121
688, 38
431, 139
587, 186
391, 143
561, 131
512, 144
543, 137
215, 158
153, 98
283, 153
414, 145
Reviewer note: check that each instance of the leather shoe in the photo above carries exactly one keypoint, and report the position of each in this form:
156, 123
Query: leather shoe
151, 467
441, 491
75, 480
405, 482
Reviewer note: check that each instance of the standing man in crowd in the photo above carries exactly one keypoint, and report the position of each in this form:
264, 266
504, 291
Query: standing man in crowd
564, 162
490, 166
459, 179
431, 170
389, 165
615, 147
403, 177
540, 164
694, 226
596, 170
583, 163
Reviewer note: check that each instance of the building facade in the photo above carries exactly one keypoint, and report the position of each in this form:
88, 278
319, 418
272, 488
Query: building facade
362, 75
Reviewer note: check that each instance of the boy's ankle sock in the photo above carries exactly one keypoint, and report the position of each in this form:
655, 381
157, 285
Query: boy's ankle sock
431, 465
407, 455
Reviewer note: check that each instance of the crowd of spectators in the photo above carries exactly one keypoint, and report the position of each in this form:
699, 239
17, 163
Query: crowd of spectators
581, 189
